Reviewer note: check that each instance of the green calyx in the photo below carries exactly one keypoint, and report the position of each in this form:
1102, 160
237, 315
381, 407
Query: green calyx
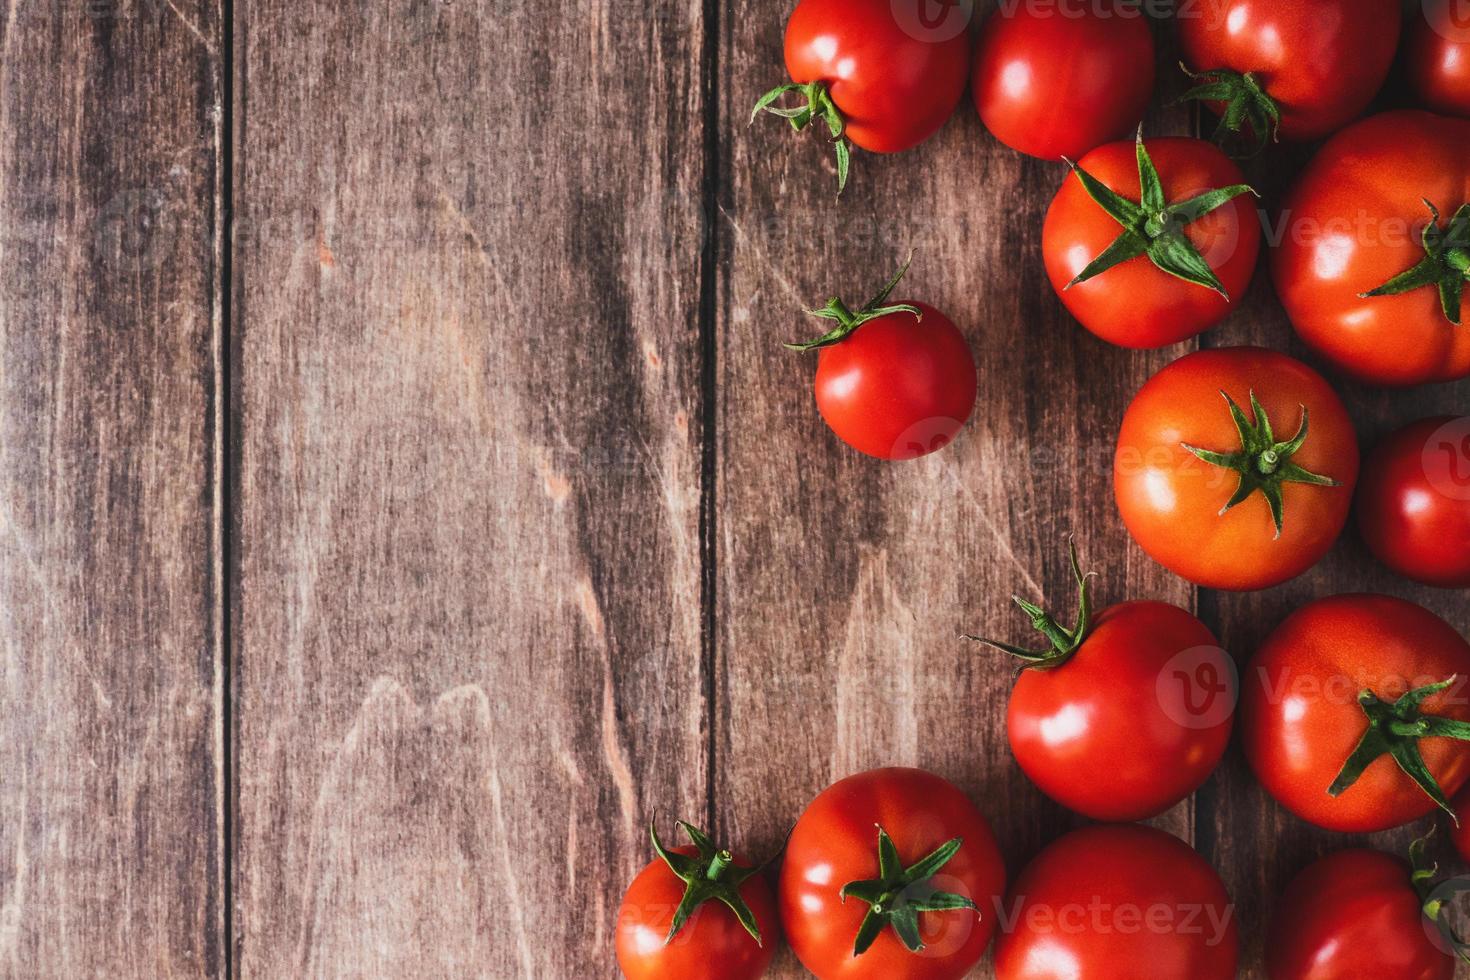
1446, 263
899, 894
1394, 730
1153, 226
1433, 896
710, 874
818, 105
1064, 642
1263, 463
1245, 101
848, 320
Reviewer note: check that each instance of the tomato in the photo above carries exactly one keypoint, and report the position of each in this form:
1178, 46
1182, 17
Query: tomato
885, 74
1354, 914
1351, 231
1124, 715
1210, 488
895, 381
1437, 55
700, 888
1058, 81
1301, 67
1118, 902
1354, 711
1148, 272
1414, 502
851, 909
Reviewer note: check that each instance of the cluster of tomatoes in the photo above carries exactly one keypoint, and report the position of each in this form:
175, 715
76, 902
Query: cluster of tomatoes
1236, 468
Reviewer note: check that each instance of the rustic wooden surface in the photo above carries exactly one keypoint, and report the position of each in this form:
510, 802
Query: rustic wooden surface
373, 573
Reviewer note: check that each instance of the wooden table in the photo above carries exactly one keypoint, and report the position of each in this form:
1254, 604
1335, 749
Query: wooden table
404, 496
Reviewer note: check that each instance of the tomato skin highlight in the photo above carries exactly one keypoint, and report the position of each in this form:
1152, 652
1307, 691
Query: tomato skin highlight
898, 387
1438, 58
1170, 501
1053, 84
712, 945
1300, 719
835, 842
1351, 223
1094, 732
1082, 907
1353, 914
895, 84
1136, 304
1414, 502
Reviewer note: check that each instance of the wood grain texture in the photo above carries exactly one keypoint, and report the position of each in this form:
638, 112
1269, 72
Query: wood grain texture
110, 801
468, 593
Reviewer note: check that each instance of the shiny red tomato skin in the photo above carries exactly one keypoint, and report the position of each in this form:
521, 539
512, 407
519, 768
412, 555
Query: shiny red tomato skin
1438, 57
1095, 733
1321, 60
712, 945
1053, 84
1065, 914
836, 842
1412, 512
1170, 501
1350, 224
1300, 718
1136, 304
898, 387
1350, 915
896, 83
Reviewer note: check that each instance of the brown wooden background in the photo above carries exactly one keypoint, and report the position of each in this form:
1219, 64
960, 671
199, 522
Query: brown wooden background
404, 496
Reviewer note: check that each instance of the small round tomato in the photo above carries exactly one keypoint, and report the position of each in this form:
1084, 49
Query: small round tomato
696, 911
1300, 67
1354, 713
1056, 81
1437, 56
1371, 277
891, 874
1148, 269
1414, 502
895, 381
1118, 902
1126, 714
1355, 913
1235, 467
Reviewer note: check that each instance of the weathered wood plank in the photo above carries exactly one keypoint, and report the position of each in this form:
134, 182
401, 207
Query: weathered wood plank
111, 799
468, 602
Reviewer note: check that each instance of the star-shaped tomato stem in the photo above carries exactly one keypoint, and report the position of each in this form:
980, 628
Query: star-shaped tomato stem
1263, 463
849, 320
818, 105
1433, 896
1246, 104
1446, 263
709, 875
899, 894
1064, 642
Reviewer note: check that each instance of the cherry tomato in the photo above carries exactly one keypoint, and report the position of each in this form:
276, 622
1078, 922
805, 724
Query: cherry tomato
1235, 467
1192, 255
1306, 67
1118, 902
891, 874
1414, 502
1058, 81
1352, 226
1353, 709
1124, 715
1437, 54
700, 886
1354, 914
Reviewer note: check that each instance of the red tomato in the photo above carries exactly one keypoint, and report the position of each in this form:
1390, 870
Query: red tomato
1354, 914
835, 850
1438, 56
1340, 668
1352, 224
1218, 493
1118, 902
1314, 63
1058, 81
1136, 303
1414, 502
712, 944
